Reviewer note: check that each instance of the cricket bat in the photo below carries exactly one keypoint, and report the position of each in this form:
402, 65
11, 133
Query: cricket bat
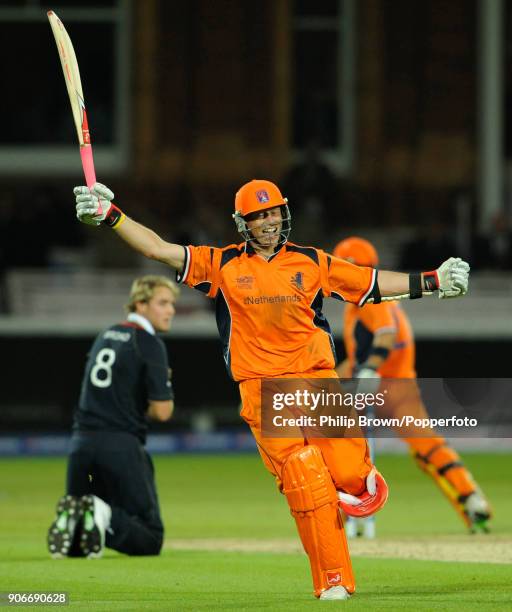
76, 96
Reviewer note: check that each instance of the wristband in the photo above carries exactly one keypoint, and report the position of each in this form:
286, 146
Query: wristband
115, 217
415, 290
431, 280
379, 351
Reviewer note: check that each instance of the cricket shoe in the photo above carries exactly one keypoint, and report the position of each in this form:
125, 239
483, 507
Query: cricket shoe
96, 520
62, 530
335, 592
478, 511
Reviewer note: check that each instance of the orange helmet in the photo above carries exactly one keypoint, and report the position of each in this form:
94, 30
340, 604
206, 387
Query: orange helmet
358, 251
257, 195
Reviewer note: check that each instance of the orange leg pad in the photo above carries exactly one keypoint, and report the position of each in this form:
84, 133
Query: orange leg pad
313, 502
445, 460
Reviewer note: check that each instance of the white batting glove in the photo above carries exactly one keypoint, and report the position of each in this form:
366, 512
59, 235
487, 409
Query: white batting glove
93, 205
368, 380
453, 276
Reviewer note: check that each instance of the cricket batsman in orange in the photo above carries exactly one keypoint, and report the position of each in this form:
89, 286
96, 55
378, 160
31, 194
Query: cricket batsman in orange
379, 343
268, 294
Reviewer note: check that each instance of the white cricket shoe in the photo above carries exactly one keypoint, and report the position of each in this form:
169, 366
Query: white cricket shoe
335, 592
96, 520
478, 510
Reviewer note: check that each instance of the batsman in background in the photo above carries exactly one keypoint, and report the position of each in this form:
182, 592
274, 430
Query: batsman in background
268, 295
111, 496
379, 343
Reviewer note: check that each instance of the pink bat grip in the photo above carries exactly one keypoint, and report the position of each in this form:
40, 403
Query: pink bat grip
88, 166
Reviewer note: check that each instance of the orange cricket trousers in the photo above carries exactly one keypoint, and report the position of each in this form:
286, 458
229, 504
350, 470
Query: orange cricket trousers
347, 459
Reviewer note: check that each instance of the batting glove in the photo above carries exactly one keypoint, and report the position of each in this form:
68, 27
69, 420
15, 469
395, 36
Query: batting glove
93, 205
368, 502
453, 278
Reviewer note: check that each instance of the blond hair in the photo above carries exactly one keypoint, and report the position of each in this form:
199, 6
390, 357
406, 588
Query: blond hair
143, 289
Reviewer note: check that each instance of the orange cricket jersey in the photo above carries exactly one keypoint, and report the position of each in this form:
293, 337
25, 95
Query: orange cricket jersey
269, 313
360, 325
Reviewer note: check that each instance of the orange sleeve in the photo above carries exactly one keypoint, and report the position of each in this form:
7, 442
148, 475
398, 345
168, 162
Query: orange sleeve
199, 267
378, 318
350, 283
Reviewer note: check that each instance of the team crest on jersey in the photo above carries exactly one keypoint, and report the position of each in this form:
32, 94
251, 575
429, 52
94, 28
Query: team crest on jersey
262, 196
244, 282
298, 281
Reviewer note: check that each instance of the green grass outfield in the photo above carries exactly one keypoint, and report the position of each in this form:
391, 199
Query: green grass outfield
211, 500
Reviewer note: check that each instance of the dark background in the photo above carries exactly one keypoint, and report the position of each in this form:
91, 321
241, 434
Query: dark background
213, 94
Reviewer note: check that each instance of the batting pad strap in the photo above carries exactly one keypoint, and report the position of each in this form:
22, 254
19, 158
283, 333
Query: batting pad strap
415, 290
114, 217
449, 466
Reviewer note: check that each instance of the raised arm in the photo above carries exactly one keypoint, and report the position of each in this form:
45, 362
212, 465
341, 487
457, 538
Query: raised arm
450, 280
95, 206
